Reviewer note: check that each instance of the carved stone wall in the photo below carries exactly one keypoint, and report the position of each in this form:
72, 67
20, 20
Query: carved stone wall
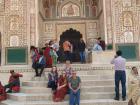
126, 17
15, 21
1, 5
17, 24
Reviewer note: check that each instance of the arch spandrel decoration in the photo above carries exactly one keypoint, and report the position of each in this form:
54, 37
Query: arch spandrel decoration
70, 10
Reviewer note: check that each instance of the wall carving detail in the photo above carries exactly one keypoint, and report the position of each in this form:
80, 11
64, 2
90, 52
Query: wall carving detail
14, 41
128, 19
14, 4
138, 2
14, 22
70, 10
128, 37
1, 5
123, 21
127, 3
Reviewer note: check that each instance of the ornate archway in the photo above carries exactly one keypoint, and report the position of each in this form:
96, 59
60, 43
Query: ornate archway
74, 37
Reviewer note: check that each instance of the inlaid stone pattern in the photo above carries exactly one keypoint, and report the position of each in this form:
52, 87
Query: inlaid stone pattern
16, 21
1, 5
126, 20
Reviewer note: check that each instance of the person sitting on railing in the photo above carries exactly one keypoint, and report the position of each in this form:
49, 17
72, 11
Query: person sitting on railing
14, 82
134, 85
3, 95
97, 46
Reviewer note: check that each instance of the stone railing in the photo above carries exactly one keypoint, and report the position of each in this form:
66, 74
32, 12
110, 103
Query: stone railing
77, 67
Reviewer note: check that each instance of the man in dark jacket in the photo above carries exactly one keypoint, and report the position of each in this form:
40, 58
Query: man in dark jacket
40, 65
82, 47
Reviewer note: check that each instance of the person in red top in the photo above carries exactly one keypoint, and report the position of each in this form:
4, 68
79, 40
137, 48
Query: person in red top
3, 95
62, 88
48, 56
14, 82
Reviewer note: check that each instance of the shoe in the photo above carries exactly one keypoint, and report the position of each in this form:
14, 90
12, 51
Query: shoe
124, 99
116, 98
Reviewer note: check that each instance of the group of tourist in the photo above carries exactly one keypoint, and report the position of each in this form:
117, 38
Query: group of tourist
49, 55
66, 83
45, 57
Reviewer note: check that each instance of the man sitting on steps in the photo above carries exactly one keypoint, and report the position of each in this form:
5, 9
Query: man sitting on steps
40, 64
14, 82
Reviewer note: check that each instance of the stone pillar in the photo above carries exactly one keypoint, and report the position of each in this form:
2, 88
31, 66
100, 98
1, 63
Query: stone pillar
2, 20
37, 28
105, 28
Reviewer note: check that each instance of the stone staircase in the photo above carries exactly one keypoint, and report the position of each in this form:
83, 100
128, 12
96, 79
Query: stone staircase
97, 89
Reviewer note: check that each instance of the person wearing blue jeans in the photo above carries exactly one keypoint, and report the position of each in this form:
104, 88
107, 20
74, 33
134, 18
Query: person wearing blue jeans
82, 57
75, 97
74, 85
82, 47
120, 75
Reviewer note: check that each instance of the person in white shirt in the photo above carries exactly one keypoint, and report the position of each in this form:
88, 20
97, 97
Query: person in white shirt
120, 75
97, 46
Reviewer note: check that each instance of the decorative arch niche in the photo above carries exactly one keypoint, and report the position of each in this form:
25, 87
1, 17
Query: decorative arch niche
70, 10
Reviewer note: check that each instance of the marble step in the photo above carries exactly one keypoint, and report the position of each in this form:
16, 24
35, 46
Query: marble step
38, 90
84, 89
30, 97
48, 96
82, 102
98, 82
83, 77
84, 83
92, 72
35, 83
97, 89
96, 77
42, 78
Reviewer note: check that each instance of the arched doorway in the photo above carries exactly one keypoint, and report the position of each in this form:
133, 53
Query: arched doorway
73, 36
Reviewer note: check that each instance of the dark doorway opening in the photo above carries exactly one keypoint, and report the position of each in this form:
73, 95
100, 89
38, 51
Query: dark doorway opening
73, 36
